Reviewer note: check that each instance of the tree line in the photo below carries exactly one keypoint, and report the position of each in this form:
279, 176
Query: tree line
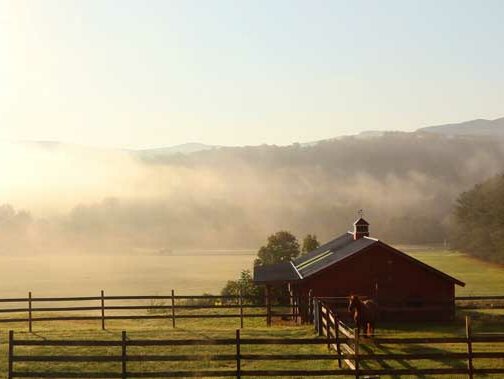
477, 226
231, 198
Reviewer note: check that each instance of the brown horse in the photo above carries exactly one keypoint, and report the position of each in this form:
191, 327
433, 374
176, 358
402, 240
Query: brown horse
364, 313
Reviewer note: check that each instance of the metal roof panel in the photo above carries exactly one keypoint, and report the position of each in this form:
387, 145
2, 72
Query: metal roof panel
338, 253
279, 272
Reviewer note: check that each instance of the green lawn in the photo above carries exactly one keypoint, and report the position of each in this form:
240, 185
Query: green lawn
223, 328
186, 329
482, 324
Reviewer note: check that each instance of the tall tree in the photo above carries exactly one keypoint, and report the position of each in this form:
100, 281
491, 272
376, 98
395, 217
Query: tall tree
310, 243
282, 246
478, 221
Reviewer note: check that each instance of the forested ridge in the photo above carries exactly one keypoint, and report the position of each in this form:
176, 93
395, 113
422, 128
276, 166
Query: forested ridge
232, 197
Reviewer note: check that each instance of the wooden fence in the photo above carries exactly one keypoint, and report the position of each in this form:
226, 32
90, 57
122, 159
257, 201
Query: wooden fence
169, 307
174, 307
346, 341
479, 302
121, 358
461, 303
329, 325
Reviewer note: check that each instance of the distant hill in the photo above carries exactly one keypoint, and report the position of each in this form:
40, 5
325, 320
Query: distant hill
186, 148
197, 195
479, 127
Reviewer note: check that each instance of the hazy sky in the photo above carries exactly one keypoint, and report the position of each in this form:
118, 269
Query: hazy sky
151, 73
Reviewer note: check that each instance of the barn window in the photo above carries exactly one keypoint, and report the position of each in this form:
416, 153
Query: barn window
414, 302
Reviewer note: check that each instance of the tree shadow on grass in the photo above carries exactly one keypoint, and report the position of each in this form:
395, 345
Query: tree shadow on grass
451, 362
382, 363
411, 349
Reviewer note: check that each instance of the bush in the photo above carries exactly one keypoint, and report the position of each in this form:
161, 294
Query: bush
253, 294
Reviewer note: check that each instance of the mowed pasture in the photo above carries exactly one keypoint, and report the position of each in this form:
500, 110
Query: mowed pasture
481, 279
189, 273
254, 328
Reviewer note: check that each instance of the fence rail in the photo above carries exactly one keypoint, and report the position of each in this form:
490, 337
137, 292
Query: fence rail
122, 357
171, 310
327, 324
175, 305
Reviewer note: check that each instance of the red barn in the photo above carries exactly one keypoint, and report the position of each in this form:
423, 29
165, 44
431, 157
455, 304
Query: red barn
354, 263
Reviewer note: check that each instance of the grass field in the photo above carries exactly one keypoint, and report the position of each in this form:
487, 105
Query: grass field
481, 279
86, 275
189, 274
253, 328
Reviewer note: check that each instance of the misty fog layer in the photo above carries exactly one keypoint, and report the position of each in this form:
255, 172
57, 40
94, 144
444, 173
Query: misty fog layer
62, 198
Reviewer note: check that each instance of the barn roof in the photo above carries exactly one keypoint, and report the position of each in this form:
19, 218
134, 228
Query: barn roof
280, 272
331, 253
327, 255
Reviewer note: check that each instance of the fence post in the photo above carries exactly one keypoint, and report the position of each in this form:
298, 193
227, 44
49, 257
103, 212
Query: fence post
320, 331
123, 355
356, 352
30, 311
102, 309
310, 306
336, 332
173, 307
469, 347
268, 306
328, 328
296, 309
315, 315
241, 308
11, 353
238, 355
453, 310
293, 306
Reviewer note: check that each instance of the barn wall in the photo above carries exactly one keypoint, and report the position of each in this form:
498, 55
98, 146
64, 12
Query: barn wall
407, 290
